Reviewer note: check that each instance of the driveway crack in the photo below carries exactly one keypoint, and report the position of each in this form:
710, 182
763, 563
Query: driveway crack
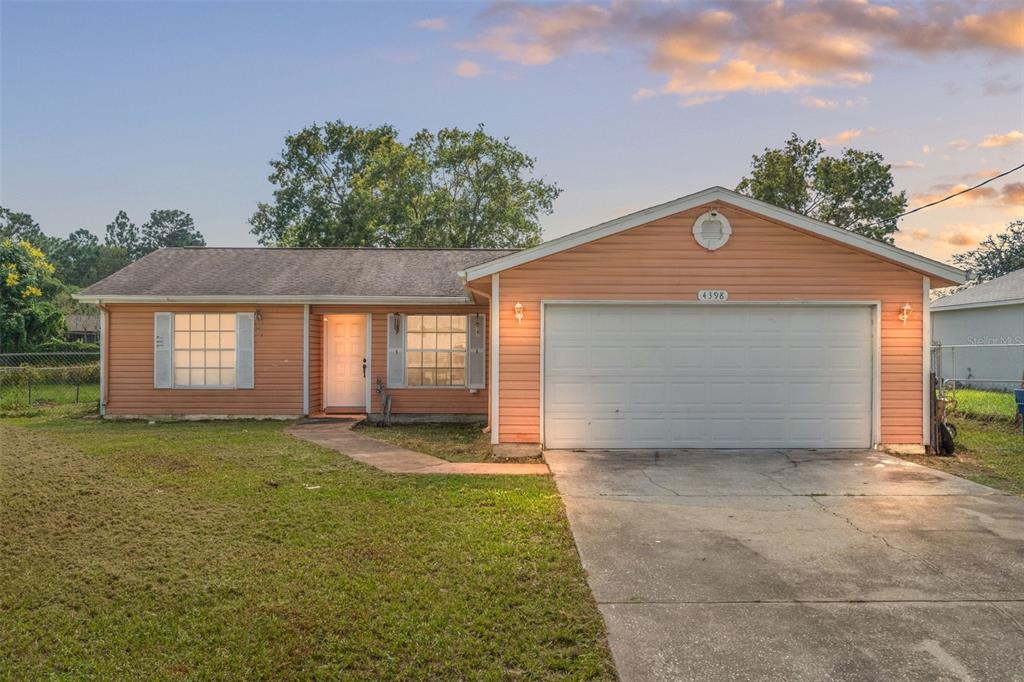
643, 470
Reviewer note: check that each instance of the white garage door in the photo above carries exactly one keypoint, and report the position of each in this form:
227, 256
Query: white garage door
727, 376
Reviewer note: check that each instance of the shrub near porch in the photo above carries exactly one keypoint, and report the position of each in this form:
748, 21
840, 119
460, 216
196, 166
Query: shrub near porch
231, 550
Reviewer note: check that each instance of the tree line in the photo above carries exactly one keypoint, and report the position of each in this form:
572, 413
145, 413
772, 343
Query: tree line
337, 184
39, 272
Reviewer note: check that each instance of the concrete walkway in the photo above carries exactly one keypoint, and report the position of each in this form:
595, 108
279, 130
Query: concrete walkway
393, 459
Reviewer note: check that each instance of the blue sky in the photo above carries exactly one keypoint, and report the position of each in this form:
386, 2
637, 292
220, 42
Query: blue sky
143, 106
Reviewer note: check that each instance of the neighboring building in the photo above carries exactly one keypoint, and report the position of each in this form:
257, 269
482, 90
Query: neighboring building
714, 320
988, 319
83, 328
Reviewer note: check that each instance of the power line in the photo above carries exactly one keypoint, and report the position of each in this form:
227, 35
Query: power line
951, 196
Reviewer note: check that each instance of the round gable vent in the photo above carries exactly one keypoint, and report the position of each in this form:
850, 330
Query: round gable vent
712, 230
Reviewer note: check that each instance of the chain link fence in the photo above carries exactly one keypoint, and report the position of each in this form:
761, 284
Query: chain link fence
35, 382
975, 391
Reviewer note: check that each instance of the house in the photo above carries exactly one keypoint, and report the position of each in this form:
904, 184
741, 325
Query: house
714, 320
981, 329
85, 328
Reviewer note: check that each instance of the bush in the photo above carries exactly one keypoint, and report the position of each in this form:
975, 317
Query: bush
62, 346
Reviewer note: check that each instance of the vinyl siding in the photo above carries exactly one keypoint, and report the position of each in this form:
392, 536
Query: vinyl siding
763, 261
277, 364
403, 400
316, 375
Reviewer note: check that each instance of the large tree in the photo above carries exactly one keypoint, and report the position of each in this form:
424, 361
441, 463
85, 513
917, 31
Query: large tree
342, 185
26, 319
169, 228
121, 233
995, 256
854, 191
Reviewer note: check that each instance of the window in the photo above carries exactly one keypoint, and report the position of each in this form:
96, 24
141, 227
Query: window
436, 350
204, 350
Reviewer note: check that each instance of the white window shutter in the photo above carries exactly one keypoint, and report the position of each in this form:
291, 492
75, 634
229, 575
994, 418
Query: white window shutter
245, 331
477, 357
163, 350
396, 350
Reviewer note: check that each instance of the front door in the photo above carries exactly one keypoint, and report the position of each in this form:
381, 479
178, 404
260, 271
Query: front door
345, 361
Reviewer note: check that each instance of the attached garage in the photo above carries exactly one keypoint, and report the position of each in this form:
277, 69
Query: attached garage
710, 321
699, 376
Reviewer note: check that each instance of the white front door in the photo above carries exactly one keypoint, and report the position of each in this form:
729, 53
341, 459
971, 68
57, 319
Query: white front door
345, 361
707, 376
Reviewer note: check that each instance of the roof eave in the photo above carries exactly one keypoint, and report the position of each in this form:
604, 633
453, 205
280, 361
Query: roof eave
907, 259
325, 300
979, 304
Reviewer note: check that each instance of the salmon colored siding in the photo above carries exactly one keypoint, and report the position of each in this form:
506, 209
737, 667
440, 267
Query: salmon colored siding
403, 400
763, 261
277, 365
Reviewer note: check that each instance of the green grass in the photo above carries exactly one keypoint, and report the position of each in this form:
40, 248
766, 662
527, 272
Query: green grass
234, 551
14, 400
978, 404
453, 442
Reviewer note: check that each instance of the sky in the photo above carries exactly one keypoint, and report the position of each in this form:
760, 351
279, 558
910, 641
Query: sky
151, 105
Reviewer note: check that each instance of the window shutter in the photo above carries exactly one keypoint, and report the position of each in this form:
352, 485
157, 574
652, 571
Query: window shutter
396, 350
245, 327
477, 357
163, 350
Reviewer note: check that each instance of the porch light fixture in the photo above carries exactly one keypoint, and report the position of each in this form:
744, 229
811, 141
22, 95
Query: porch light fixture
518, 312
905, 313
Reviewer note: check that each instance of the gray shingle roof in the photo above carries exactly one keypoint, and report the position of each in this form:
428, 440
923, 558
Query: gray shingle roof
294, 272
1009, 287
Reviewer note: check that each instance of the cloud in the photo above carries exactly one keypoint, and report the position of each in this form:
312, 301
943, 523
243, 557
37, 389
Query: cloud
1004, 140
700, 99
819, 103
925, 149
1011, 194
920, 234
721, 46
907, 165
644, 93
468, 69
433, 24
841, 137
959, 144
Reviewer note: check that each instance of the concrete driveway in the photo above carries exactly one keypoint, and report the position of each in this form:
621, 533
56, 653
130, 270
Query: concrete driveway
755, 565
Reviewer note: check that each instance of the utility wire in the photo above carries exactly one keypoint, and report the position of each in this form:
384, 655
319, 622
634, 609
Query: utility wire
951, 196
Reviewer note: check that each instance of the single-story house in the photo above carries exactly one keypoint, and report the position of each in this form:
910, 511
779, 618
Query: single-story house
85, 328
981, 330
710, 321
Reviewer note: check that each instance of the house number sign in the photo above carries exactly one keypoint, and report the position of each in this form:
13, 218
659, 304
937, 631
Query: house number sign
712, 295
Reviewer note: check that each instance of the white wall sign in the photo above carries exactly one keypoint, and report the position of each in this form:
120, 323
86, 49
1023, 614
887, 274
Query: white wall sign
712, 295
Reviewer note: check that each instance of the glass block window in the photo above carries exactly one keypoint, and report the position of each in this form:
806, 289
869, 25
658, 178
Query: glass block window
204, 349
435, 350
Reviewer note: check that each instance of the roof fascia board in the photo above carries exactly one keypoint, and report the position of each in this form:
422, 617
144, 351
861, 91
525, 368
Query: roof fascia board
872, 246
336, 300
980, 304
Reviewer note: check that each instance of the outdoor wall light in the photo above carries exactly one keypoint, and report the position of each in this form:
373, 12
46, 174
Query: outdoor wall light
905, 313
519, 312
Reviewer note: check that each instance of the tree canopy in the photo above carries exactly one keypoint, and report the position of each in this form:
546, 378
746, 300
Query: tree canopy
342, 185
995, 256
854, 191
26, 318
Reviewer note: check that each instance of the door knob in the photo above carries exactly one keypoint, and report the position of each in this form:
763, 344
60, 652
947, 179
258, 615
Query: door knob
364, 368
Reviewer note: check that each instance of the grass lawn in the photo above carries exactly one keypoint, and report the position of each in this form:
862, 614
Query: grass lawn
14, 400
453, 442
231, 550
989, 446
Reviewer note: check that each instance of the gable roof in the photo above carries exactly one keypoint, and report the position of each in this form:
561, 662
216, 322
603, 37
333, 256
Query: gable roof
1005, 290
889, 252
335, 275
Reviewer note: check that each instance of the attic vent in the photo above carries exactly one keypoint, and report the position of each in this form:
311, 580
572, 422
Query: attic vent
712, 230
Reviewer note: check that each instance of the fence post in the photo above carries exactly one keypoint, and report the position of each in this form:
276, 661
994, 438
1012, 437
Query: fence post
30, 390
77, 388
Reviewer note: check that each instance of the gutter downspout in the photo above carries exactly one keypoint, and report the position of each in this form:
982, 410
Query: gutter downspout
104, 344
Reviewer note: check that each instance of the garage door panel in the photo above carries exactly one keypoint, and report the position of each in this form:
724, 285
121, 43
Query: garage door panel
707, 376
